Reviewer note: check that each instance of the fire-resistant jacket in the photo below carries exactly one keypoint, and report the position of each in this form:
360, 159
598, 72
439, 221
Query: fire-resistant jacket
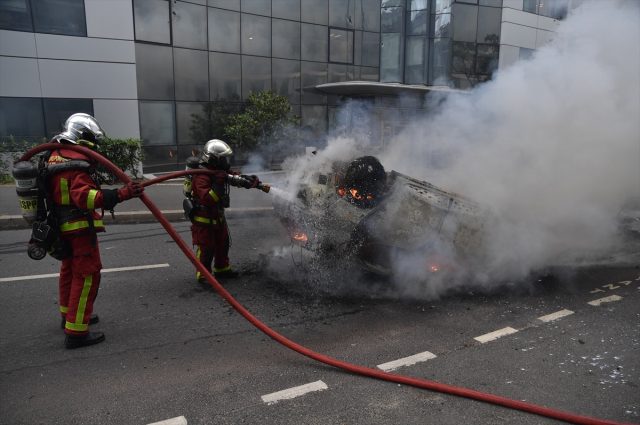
75, 187
206, 193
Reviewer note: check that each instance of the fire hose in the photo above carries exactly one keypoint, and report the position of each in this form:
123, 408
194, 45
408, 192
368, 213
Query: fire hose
420, 383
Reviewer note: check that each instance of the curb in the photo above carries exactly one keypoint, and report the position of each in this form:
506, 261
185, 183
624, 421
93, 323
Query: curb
9, 222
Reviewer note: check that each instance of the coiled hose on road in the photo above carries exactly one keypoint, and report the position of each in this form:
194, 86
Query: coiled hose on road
420, 383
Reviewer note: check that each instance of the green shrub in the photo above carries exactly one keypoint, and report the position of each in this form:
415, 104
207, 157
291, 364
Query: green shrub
126, 154
10, 149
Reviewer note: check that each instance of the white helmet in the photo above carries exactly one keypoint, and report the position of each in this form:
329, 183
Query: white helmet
215, 152
80, 126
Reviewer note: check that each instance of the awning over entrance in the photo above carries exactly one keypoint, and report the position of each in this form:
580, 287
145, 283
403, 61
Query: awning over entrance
359, 88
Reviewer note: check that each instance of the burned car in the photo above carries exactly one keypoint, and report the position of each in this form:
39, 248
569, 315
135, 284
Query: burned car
381, 221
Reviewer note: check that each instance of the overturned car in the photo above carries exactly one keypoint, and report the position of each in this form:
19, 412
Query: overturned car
381, 221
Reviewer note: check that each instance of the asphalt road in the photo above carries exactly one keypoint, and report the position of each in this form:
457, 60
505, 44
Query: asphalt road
175, 348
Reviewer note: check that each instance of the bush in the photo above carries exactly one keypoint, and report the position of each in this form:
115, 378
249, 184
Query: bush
11, 149
126, 154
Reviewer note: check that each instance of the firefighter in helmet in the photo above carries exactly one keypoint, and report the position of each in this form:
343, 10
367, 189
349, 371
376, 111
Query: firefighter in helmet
73, 196
209, 229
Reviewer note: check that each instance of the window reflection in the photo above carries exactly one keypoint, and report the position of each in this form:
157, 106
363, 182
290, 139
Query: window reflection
258, 7
313, 74
314, 119
224, 31
340, 45
369, 74
191, 74
417, 4
286, 79
314, 43
15, 15
391, 58
392, 19
224, 76
337, 73
342, 13
256, 35
286, 9
56, 112
152, 21
314, 11
489, 25
160, 159
189, 25
256, 75
415, 71
439, 61
441, 26
487, 60
157, 123
59, 17
370, 49
190, 132
286, 39
21, 118
367, 16
225, 4
418, 22
465, 22
492, 3
187, 151
154, 72
463, 64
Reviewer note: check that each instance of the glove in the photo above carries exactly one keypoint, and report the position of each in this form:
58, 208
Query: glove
252, 181
132, 190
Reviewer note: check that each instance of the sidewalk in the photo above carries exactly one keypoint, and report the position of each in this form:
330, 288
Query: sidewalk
167, 196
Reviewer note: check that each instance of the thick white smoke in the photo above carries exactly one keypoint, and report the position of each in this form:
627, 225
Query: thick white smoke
552, 142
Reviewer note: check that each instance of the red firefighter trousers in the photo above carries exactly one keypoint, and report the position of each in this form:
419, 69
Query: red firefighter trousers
78, 284
212, 247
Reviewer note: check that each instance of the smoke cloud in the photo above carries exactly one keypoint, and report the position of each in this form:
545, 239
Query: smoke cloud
552, 143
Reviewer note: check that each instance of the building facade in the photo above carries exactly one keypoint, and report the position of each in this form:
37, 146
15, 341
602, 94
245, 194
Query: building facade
145, 68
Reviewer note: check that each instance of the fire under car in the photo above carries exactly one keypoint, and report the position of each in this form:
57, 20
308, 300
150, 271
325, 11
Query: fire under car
356, 211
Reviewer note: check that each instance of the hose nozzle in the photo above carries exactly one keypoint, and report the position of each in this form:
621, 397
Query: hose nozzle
264, 187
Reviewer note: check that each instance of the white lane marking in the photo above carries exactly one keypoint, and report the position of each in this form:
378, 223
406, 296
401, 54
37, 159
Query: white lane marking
407, 361
120, 269
294, 392
555, 316
604, 300
180, 420
495, 335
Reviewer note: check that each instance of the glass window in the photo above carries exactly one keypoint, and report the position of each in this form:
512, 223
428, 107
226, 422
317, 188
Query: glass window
224, 31
257, 7
224, 76
152, 21
202, 2
225, 4
391, 3
256, 75
391, 58
418, 22
439, 62
286, 39
286, 79
313, 74
465, 22
160, 158
526, 54
337, 73
369, 74
441, 26
157, 123
416, 53
357, 48
342, 13
367, 16
314, 119
194, 126
154, 72
15, 15
185, 151
189, 25
489, 25
56, 112
59, 17
441, 6
370, 49
487, 59
191, 68
530, 6
314, 43
463, 60
315, 11
492, 3
340, 45
417, 4
256, 35
467, 1
392, 19
22, 118
286, 9
553, 8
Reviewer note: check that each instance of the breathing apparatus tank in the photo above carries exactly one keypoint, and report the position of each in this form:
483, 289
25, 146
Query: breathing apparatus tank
192, 164
25, 175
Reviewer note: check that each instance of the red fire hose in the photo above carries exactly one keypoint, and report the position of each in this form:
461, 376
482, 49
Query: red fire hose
420, 383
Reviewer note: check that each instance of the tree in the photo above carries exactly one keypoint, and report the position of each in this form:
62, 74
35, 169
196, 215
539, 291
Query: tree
263, 121
213, 119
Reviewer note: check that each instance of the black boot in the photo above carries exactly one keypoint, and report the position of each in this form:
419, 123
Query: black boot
77, 341
92, 321
229, 274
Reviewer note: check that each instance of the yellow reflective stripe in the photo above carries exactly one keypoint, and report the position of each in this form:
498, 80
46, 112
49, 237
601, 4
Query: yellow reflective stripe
204, 220
74, 327
91, 199
198, 256
64, 191
66, 227
82, 304
63, 309
213, 195
224, 269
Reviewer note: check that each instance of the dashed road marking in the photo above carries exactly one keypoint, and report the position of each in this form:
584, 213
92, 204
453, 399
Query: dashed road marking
407, 361
294, 392
604, 300
495, 335
119, 269
180, 420
555, 316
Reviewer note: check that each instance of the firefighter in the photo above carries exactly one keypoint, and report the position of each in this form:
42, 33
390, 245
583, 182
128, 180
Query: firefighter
210, 193
74, 196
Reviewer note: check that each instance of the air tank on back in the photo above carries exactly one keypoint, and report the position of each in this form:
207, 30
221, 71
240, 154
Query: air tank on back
25, 175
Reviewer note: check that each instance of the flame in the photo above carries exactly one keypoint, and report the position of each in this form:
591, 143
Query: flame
193, 153
434, 269
342, 192
300, 237
354, 193
171, 154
